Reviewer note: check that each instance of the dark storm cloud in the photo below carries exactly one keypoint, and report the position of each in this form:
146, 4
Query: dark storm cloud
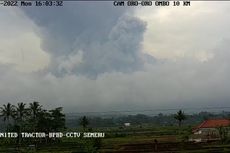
62, 27
108, 38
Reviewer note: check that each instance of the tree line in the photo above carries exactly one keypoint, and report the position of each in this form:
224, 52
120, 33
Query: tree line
31, 117
179, 118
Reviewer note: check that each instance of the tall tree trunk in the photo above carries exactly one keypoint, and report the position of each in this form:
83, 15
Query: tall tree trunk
7, 125
179, 123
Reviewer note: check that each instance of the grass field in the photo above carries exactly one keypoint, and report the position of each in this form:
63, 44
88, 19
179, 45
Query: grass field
134, 139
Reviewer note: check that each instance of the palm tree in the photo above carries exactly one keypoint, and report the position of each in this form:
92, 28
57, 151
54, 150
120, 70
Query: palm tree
20, 112
19, 116
35, 108
7, 112
180, 116
84, 122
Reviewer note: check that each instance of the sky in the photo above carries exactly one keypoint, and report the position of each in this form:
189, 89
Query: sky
92, 56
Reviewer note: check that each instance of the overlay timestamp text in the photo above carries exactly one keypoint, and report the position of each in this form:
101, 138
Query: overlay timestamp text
31, 3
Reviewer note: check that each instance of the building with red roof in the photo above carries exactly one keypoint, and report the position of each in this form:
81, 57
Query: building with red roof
213, 123
208, 130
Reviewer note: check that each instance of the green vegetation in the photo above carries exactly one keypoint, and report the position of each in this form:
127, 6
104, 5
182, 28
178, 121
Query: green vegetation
144, 133
180, 116
223, 132
7, 112
84, 122
31, 119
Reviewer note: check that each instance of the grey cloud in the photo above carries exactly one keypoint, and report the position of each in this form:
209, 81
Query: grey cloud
184, 83
168, 84
120, 53
76, 21
109, 39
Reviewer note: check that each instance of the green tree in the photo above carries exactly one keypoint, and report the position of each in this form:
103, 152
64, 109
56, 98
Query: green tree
223, 133
180, 116
7, 112
84, 122
44, 121
35, 108
58, 119
20, 114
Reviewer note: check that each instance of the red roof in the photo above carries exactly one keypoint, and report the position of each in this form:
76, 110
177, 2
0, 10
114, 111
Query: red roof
214, 123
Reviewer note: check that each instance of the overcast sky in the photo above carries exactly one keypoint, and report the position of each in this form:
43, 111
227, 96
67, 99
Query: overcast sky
92, 56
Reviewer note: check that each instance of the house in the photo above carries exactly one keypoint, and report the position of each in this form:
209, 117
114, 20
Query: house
127, 124
208, 130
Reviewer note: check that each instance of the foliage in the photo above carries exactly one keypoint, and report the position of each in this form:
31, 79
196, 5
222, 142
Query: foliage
57, 119
223, 133
32, 118
84, 122
92, 145
7, 112
180, 116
